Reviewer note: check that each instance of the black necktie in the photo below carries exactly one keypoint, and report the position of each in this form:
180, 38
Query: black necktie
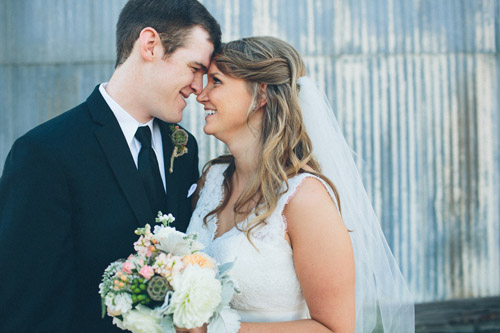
147, 164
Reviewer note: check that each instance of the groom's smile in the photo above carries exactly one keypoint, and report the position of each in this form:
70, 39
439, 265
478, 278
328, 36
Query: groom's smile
180, 74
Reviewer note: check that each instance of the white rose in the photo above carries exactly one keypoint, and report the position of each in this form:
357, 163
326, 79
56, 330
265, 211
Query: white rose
197, 293
172, 241
162, 231
142, 320
119, 324
118, 304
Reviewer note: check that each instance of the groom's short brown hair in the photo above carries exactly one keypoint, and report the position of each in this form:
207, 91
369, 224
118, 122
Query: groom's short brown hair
172, 19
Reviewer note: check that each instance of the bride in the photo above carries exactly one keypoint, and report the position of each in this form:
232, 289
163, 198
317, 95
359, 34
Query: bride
287, 205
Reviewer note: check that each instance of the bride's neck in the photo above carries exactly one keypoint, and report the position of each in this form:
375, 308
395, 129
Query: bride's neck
245, 160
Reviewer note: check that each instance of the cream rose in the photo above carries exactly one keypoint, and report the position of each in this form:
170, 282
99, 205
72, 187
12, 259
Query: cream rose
142, 320
197, 293
174, 242
118, 304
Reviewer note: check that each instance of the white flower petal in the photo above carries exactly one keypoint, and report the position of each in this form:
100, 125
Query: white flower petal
197, 293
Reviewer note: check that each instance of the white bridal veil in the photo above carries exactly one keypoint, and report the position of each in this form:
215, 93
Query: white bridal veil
383, 301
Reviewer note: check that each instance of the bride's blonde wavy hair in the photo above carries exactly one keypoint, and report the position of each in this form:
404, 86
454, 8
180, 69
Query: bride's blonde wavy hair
285, 146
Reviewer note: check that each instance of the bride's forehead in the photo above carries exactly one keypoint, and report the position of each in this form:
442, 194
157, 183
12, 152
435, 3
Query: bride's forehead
213, 67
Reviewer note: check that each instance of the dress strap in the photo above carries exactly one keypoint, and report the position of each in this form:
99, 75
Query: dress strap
294, 184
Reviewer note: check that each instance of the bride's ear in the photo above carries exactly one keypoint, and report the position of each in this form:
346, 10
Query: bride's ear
262, 99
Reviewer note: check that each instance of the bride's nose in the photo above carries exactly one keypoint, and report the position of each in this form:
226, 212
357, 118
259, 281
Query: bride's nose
203, 96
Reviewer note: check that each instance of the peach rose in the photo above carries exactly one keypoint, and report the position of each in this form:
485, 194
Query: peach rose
198, 258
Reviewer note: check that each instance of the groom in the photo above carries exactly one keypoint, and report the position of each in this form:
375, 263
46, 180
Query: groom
75, 188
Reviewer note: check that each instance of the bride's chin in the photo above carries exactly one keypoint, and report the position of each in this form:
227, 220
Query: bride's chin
217, 133
208, 131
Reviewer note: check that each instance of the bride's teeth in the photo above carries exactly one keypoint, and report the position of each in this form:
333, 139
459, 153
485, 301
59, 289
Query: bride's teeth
210, 112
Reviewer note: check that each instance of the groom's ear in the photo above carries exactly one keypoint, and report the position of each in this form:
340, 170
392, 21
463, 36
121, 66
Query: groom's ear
150, 45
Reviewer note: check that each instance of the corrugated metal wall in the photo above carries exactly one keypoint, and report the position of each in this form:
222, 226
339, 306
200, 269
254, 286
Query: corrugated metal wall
414, 85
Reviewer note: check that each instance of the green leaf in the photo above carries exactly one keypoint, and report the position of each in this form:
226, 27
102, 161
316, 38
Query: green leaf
103, 305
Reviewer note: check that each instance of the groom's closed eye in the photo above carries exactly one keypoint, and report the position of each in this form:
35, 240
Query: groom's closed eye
198, 67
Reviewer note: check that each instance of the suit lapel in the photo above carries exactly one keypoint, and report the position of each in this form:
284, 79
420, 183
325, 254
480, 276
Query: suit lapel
171, 179
116, 149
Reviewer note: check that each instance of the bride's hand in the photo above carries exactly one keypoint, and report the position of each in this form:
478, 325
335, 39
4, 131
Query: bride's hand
202, 329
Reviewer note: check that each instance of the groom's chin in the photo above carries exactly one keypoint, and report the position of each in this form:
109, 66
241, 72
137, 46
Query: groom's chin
173, 117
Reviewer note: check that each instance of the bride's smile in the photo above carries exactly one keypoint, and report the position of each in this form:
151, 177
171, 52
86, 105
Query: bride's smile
229, 111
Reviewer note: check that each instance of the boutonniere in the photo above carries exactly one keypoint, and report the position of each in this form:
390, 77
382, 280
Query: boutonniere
179, 139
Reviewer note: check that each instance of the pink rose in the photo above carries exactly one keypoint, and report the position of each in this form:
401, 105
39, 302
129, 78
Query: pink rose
147, 271
127, 267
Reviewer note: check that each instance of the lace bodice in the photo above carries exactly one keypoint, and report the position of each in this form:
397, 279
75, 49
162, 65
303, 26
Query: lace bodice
265, 274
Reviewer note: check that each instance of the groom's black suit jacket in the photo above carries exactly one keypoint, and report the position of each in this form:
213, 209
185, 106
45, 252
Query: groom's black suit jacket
70, 200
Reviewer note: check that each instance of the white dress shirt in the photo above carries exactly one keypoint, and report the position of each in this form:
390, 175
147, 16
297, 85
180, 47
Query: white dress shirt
129, 126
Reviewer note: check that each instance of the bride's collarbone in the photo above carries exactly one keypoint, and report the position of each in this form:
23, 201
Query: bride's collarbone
227, 218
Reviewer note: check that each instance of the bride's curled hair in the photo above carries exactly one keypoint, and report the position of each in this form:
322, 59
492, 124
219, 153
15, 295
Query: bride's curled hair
285, 146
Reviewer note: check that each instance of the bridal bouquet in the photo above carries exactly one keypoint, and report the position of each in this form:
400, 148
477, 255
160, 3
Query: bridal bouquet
167, 283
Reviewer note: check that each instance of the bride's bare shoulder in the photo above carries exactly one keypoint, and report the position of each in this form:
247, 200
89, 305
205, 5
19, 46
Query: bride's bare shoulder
309, 192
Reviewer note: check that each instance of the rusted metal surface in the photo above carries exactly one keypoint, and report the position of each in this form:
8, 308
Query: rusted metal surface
414, 85
463, 315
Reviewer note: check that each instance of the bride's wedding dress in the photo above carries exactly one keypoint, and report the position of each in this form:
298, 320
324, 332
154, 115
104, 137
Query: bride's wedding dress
264, 271
270, 290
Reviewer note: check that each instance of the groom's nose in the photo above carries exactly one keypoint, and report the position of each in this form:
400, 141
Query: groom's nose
197, 84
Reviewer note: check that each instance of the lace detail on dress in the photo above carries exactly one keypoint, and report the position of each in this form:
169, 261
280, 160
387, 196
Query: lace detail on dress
289, 195
210, 197
264, 270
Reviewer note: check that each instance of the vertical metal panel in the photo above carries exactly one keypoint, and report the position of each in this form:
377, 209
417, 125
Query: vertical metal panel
414, 84
53, 54
60, 31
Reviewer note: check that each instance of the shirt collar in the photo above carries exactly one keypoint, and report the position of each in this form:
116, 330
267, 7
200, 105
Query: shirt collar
127, 123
